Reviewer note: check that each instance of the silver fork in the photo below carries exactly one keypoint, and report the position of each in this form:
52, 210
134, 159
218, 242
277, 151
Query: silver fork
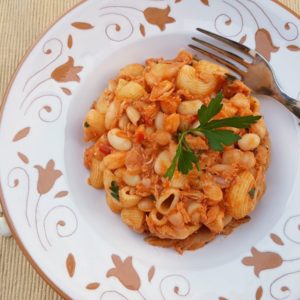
257, 74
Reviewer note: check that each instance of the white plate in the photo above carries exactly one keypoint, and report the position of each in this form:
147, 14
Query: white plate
65, 228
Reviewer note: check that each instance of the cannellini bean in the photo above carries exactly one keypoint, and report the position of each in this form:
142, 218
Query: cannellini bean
213, 192
159, 121
195, 125
172, 149
114, 160
162, 138
189, 107
146, 182
247, 160
176, 219
131, 180
240, 100
249, 141
118, 142
171, 123
162, 162
133, 114
111, 115
146, 205
231, 156
259, 128
123, 122
148, 131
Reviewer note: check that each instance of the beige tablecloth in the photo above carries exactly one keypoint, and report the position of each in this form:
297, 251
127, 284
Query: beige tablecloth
21, 22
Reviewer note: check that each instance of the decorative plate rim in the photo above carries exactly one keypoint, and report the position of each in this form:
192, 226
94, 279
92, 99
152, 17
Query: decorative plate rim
10, 223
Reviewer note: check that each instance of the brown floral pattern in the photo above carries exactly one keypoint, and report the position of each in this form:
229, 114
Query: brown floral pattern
21, 134
82, 25
262, 261
47, 177
259, 293
67, 72
125, 273
159, 17
23, 157
70, 264
276, 239
264, 43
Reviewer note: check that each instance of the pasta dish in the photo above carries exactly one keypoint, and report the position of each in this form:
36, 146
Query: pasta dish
180, 149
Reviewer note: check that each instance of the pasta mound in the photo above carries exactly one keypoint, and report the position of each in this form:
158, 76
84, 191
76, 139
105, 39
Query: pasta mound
134, 126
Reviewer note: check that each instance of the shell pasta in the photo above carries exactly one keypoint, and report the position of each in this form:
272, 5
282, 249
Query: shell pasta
134, 128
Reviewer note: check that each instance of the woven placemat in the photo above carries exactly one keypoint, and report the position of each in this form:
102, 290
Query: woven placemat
21, 22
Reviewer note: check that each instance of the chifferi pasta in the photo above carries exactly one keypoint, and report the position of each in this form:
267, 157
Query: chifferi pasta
134, 127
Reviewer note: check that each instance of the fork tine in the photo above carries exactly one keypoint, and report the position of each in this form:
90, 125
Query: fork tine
219, 60
231, 43
223, 52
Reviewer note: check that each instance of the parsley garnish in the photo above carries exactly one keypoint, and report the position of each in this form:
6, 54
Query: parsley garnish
217, 138
114, 188
86, 124
252, 193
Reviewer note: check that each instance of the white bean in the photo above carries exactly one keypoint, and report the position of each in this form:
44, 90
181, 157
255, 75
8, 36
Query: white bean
123, 122
119, 143
159, 121
162, 162
249, 141
189, 107
133, 114
111, 115
131, 180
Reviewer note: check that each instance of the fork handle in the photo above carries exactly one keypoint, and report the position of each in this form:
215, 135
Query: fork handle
290, 103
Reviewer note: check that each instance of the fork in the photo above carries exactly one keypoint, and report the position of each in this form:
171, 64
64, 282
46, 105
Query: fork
257, 74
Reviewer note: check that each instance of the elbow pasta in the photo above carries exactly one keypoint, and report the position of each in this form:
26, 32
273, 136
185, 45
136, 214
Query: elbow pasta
134, 128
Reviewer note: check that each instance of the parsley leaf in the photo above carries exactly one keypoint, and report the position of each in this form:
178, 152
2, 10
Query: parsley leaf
114, 188
186, 160
217, 137
205, 113
237, 122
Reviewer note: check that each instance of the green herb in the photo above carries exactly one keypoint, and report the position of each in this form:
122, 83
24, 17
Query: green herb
217, 138
230, 78
252, 193
86, 124
114, 188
